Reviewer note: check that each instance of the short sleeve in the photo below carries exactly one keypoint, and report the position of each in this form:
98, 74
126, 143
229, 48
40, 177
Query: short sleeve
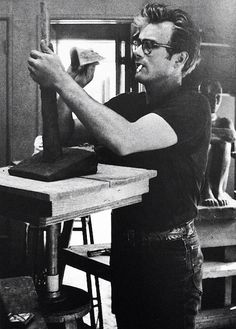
189, 116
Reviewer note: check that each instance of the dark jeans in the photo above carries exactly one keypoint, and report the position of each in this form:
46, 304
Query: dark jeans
157, 285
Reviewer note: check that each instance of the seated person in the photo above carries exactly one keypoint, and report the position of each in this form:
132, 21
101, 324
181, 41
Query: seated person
219, 156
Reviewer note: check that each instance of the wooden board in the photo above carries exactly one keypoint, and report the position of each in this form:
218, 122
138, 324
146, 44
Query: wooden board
46, 203
216, 318
106, 175
76, 256
212, 270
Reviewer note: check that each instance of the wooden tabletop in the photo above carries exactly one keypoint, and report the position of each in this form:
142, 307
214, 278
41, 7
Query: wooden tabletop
44, 203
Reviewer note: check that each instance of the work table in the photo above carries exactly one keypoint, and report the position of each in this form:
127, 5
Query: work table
47, 204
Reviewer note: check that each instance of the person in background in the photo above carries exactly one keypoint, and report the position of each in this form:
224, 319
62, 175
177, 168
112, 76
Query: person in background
156, 259
219, 155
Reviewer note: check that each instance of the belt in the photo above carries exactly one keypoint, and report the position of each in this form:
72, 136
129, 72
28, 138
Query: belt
134, 237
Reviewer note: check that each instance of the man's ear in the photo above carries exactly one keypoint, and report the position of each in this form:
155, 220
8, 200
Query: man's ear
181, 58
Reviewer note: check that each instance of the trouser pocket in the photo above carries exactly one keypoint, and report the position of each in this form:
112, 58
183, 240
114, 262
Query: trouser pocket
194, 262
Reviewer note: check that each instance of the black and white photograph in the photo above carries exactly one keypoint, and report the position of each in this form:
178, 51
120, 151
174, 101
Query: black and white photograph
117, 166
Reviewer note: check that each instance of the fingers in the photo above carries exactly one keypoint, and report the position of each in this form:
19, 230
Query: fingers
35, 54
31, 69
44, 48
33, 59
32, 65
51, 46
32, 72
74, 59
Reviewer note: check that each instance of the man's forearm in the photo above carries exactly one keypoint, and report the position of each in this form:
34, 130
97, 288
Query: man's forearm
100, 122
65, 121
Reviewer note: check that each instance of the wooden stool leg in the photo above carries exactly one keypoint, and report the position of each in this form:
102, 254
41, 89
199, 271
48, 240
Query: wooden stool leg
100, 315
87, 225
90, 291
98, 297
90, 230
85, 221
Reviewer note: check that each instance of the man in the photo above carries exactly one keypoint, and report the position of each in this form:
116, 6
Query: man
219, 156
156, 259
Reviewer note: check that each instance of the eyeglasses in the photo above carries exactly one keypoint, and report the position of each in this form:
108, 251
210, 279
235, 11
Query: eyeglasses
148, 45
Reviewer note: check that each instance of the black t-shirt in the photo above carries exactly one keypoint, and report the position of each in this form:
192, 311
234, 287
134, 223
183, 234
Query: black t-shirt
174, 194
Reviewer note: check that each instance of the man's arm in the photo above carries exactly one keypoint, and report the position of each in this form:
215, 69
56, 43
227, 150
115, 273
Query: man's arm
112, 130
72, 131
109, 128
65, 121
224, 134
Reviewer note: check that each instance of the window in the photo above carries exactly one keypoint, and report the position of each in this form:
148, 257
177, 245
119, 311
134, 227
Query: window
114, 74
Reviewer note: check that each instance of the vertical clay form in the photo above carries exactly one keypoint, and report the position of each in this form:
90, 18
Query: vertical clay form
51, 138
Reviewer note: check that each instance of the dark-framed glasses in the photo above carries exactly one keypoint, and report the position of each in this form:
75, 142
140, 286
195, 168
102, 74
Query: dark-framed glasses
148, 45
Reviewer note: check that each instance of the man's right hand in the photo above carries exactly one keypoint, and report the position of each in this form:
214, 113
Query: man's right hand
45, 67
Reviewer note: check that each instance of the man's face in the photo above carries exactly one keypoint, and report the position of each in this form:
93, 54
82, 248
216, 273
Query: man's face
157, 65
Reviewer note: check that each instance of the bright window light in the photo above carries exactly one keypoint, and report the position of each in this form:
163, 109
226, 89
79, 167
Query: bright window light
103, 86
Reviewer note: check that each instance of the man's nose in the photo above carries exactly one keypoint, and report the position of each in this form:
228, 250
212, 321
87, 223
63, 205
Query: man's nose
138, 52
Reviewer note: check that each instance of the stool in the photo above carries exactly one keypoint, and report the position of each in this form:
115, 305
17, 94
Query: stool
18, 295
87, 234
68, 311
77, 257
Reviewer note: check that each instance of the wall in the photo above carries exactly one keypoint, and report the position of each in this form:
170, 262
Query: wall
215, 18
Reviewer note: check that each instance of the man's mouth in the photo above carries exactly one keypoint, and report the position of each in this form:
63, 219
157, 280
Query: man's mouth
138, 67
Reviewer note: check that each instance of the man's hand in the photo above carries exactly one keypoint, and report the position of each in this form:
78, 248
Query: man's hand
45, 67
82, 74
83, 63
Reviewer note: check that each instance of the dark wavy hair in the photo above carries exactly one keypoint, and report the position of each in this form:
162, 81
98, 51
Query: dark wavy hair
185, 36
